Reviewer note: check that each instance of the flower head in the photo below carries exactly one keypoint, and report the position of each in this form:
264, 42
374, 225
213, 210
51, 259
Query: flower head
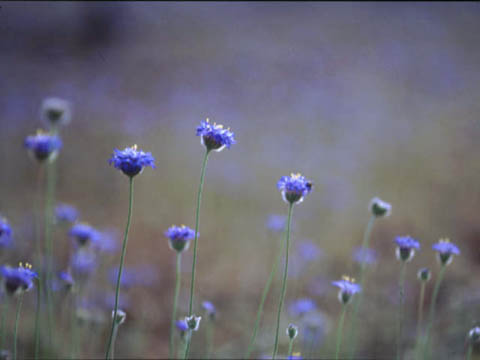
83, 233
365, 255
302, 306
424, 274
348, 288
445, 251
131, 160
474, 334
66, 213
294, 188
67, 279
182, 327
56, 111
380, 208
179, 237
17, 280
215, 137
406, 246
193, 322
43, 146
5, 233
210, 309
292, 331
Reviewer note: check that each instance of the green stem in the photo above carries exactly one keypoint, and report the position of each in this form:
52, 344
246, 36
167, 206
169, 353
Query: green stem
420, 318
290, 348
400, 316
4, 316
188, 339
209, 334
431, 314
15, 331
265, 292
340, 331
356, 307
197, 218
114, 339
284, 284
175, 301
122, 259
37, 319
469, 351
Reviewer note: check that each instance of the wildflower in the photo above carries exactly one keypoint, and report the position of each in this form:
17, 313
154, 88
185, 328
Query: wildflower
210, 309
474, 334
294, 188
424, 274
348, 288
56, 111
292, 331
18, 280
83, 233
43, 146
193, 322
66, 213
215, 137
380, 208
182, 327
131, 161
445, 251
121, 317
302, 306
365, 256
66, 279
276, 223
5, 233
406, 247
179, 237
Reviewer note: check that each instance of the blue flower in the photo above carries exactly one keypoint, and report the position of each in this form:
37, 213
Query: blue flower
181, 326
215, 137
276, 223
179, 237
445, 251
302, 306
18, 279
131, 161
66, 213
365, 255
83, 233
210, 309
83, 262
56, 111
66, 279
107, 241
348, 288
43, 146
294, 188
406, 246
5, 233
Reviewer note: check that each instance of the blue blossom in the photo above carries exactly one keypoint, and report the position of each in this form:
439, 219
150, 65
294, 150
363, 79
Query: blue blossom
445, 251
56, 111
66, 279
5, 233
365, 255
348, 288
181, 326
379, 208
215, 137
302, 306
83, 233
66, 213
406, 246
107, 241
18, 279
294, 188
131, 161
276, 223
210, 309
83, 262
179, 237
43, 146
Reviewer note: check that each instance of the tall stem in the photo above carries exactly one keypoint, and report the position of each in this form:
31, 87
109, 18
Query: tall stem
197, 218
420, 319
290, 348
175, 301
284, 284
188, 339
401, 310
340, 331
119, 278
15, 331
431, 314
357, 303
265, 292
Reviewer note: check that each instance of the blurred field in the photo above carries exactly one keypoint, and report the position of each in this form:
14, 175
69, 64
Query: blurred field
365, 99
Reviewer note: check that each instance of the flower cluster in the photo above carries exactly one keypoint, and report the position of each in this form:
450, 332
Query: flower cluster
179, 237
445, 250
348, 288
19, 279
131, 161
294, 188
43, 145
215, 137
406, 246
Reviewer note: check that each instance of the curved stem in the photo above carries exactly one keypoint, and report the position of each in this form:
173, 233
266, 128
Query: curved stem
365, 244
175, 301
265, 292
340, 331
15, 331
284, 284
400, 316
122, 259
197, 218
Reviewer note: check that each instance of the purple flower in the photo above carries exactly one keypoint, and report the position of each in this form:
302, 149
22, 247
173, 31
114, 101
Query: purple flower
215, 137
181, 326
179, 237
43, 146
276, 223
5, 233
445, 251
131, 161
348, 288
309, 251
294, 188
406, 246
18, 279
302, 306
66, 213
210, 309
83, 233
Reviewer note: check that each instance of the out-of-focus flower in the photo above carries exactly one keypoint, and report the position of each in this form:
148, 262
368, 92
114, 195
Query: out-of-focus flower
66, 279
292, 331
56, 111
474, 334
424, 274
365, 255
445, 250
406, 246
19, 279
348, 288
215, 137
193, 322
131, 161
294, 188
108, 241
179, 237
5, 233
66, 213
209, 309
302, 306
83, 262
276, 223
84, 233
144, 275
43, 146
380, 208
309, 251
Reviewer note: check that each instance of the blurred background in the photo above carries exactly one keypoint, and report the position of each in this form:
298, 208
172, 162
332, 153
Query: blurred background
364, 99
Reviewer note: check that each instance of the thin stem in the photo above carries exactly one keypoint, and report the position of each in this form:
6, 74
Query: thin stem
290, 348
431, 314
122, 259
2, 324
197, 218
340, 331
15, 331
37, 319
401, 310
175, 301
265, 292
469, 351
114, 339
357, 303
284, 284
187, 344
420, 318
